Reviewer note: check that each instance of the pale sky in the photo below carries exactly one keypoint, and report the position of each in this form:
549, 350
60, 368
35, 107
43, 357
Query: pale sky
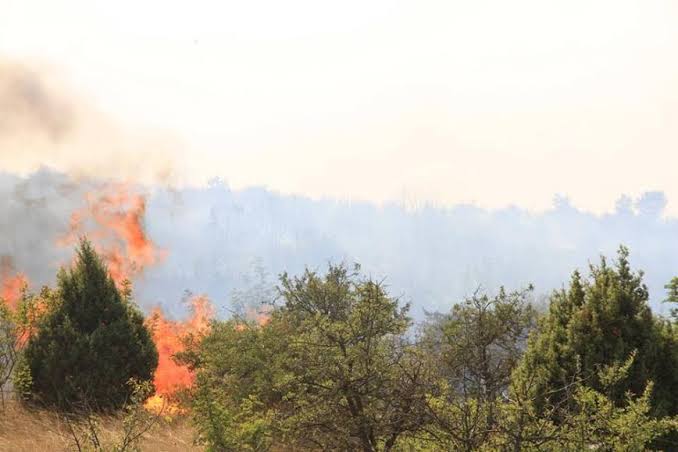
494, 102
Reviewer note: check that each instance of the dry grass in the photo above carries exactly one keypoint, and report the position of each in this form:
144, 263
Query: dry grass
23, 430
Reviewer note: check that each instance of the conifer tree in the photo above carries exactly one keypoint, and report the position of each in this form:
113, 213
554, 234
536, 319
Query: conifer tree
596, 323
90, 344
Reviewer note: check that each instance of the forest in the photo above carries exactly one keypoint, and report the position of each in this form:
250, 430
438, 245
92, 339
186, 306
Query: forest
330, 360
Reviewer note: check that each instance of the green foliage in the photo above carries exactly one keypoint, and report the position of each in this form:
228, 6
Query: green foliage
672, 288
597, 323
481, 341
593, 420
239, 380
347, 360
330, 370
89, 344
16, 327
476, 347
335, 369
598, 422
9, 345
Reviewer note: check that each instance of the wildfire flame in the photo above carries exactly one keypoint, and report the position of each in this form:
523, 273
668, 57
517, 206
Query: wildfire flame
12, 283
113, 219
168, 336
12, 287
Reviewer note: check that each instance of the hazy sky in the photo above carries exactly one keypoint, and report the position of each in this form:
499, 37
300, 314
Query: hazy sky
493, 102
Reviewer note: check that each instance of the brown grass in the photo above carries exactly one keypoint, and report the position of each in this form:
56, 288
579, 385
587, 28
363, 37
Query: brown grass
23, 430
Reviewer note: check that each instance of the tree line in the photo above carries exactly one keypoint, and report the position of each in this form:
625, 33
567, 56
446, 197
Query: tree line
338, 364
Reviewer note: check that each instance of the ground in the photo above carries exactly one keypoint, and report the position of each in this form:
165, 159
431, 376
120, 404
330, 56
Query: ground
23, 430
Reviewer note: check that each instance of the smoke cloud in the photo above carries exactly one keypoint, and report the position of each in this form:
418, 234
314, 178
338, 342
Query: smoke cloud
43, 123
34, 214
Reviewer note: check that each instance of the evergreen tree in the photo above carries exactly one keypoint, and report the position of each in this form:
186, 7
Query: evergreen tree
596, 323
90, 344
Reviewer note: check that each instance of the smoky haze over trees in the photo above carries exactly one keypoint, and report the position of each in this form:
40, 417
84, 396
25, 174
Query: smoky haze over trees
224, 240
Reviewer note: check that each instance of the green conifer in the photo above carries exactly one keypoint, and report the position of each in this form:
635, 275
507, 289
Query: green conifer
90, 343
596, 323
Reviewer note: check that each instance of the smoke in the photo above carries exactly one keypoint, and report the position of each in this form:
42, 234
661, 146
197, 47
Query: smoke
112, 216
231, 244
84, 179
35, 212
43, 123
432, 257
28, 107
45, 215
214, 236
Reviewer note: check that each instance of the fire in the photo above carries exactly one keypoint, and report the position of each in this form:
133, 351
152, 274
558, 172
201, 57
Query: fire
113, 219
168, 336
260, 316
12, 283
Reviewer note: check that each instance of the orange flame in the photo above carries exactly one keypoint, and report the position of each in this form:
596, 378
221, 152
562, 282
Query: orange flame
168, 336
12, 283
12, 287
113, 219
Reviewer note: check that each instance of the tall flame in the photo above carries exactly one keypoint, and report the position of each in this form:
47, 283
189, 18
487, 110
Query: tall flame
168, 336
113, 219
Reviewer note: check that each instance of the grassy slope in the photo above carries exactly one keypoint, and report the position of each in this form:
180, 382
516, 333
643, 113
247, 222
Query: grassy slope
22, 430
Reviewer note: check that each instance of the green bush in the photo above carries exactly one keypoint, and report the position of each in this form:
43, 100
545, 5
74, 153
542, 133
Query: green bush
332, 369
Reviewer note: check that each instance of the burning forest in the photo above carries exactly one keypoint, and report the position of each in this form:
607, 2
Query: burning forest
112, 218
